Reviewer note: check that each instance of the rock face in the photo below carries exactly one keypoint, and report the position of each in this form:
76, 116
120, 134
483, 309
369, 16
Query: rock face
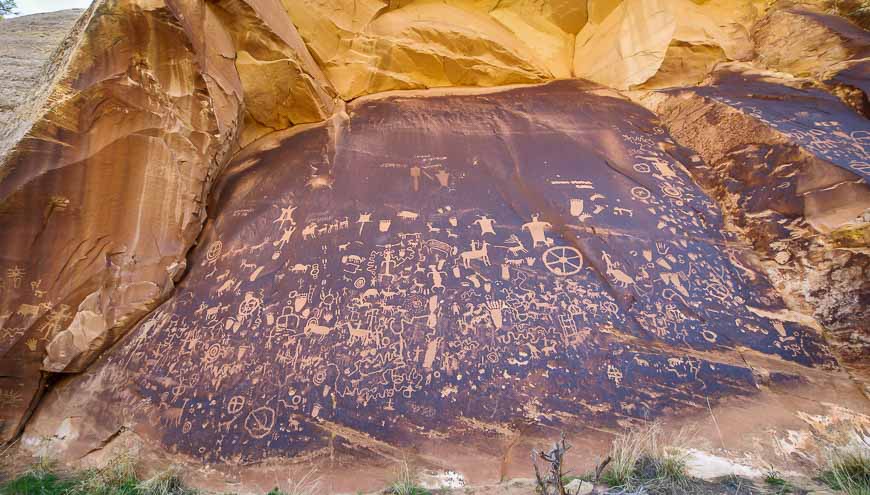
29, 42
470, 256
372, 46
104, 194
791, 171
663, 42
421, 269
806, 42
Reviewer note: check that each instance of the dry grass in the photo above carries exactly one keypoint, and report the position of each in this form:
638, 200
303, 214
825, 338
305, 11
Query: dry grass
307, 484
626, 451
167, 482
848, 470
117, 477
641, 457
40, 478
406, 481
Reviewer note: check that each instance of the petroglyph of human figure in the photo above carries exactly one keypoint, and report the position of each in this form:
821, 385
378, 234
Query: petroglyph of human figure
285, 238
538, 230
437, 278
614, 374
476, 253
286, 216
388, 264
15, 275
55, 320
485, 224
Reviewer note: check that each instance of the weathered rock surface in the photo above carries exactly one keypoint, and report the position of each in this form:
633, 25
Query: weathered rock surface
451, 273
488, 264
27, 45
804, 41
367, 47
788, 162
639, 38
104, 194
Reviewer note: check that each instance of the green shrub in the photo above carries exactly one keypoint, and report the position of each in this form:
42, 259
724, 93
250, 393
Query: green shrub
36, 482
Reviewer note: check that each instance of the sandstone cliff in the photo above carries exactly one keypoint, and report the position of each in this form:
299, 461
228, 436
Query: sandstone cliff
346, 269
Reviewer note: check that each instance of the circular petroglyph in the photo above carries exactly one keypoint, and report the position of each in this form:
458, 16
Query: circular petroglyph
236, 403
213, 352
249, 305
260, 422
640, 193
563, 260
672, 191
319, 377
214, 250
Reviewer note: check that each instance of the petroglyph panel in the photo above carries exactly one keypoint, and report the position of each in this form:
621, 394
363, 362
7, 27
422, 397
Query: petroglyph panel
535, 255
817, 121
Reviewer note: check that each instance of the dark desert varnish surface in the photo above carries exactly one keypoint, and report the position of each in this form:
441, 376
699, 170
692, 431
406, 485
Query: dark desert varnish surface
534, 255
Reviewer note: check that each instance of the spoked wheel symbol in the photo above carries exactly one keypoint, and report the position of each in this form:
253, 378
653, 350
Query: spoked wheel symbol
563, 260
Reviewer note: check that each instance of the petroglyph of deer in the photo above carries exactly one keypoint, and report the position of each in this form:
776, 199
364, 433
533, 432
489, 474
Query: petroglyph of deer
518, 247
